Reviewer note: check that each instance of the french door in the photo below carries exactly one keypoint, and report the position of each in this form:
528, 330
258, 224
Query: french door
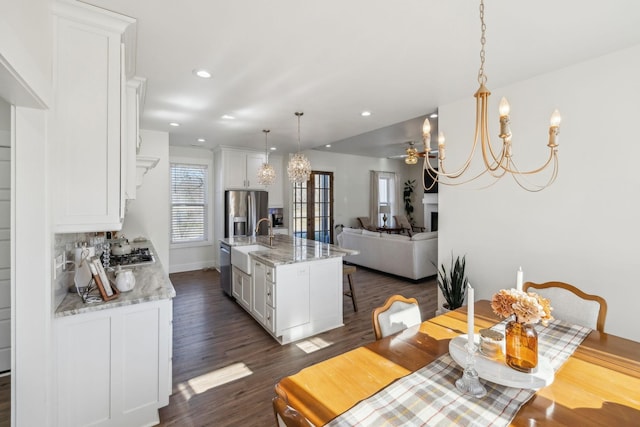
313, 207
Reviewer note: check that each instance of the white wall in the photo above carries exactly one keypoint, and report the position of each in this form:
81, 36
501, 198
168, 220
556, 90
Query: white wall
583, 229
25, 81
26, 49
193, 257
148, 214
32, 372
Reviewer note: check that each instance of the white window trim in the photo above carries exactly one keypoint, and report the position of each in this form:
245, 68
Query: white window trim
209, 164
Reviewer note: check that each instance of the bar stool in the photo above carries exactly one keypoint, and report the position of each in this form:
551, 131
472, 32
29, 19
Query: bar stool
349, 270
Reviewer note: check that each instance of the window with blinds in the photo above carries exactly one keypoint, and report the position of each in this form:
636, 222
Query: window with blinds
189, 209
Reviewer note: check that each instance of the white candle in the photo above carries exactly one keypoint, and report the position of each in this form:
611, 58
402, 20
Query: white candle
519, 279
470, 313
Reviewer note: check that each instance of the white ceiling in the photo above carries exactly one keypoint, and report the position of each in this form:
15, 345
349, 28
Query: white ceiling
332, 59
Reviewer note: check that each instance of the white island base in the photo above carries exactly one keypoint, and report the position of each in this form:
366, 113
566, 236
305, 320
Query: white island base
292, 301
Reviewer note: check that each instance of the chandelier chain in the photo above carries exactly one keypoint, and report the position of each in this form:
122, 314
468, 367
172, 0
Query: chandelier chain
299, 114
482, 78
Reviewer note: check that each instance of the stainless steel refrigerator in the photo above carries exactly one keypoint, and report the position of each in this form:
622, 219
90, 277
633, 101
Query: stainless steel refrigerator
243, 209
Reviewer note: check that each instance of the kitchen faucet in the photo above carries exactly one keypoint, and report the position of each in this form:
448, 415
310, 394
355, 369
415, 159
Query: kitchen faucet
270, 231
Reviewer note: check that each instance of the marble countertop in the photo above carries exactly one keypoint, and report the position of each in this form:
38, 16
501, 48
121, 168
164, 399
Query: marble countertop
152, 284
286, 249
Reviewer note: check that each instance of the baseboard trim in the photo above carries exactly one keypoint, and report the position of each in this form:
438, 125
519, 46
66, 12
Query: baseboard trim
191, 266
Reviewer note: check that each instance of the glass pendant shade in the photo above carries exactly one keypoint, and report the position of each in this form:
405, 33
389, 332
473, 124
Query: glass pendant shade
299, 167
266, 174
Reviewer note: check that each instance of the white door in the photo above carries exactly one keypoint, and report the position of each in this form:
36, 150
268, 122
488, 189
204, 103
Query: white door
5, 234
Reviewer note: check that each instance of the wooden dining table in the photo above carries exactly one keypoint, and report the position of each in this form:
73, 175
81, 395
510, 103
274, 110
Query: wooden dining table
598, 385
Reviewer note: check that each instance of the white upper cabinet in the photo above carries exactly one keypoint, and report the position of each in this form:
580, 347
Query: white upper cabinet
240, 169
88, 126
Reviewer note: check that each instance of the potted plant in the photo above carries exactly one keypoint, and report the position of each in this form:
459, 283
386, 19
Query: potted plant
407, 195
453, 283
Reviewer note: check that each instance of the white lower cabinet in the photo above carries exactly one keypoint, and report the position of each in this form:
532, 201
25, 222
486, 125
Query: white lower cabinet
114, 365
241, 287
295, 301
259, 292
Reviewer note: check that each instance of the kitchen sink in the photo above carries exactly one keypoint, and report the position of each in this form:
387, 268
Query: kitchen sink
240, 256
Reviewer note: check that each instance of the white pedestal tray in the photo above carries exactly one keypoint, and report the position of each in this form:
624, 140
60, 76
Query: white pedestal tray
496, 370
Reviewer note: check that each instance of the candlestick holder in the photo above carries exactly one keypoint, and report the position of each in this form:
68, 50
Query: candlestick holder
469, 383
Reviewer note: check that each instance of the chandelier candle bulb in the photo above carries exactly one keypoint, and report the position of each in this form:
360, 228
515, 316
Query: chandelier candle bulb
441, 145
504, 107
554, 129
426, 135
470, 313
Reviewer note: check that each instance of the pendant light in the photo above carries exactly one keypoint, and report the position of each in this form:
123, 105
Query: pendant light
299, 167
266, 173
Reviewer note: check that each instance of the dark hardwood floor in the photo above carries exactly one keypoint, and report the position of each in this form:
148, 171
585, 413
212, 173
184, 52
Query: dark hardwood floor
211, 332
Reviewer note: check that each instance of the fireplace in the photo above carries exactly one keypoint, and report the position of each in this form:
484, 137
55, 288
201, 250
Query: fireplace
430, 202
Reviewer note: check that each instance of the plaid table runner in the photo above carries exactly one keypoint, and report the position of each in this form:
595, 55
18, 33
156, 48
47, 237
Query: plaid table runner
429, 397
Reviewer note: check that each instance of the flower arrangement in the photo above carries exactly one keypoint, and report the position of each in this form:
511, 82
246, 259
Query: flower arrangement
527, 307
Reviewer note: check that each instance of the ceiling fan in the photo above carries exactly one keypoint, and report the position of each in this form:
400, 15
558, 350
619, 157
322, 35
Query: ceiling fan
412, 154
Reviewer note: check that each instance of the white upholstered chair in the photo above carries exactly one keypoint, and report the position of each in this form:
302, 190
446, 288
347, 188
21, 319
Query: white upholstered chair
571, 304
397, 313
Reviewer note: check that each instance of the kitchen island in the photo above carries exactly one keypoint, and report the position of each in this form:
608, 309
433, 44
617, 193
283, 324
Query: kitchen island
113, 358
291, 286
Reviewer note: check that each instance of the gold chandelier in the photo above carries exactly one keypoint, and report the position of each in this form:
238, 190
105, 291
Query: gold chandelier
299, 167
266, 173
497, 164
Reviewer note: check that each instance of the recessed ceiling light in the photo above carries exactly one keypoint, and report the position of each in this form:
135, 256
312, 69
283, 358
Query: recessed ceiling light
228, 117
433, 115
365, 113
204, 74
328, 145
201, 140
174, 124
273, 148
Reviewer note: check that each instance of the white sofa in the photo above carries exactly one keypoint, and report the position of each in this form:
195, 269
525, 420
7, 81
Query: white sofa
413, 257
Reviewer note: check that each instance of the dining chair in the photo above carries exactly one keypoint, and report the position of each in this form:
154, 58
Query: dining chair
403, 222
397, 313
286, 416
571, 304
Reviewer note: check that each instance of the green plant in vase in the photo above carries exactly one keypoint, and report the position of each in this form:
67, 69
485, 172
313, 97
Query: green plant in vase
453, 283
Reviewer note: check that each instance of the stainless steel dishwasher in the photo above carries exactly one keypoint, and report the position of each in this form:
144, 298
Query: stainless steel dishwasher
225, 268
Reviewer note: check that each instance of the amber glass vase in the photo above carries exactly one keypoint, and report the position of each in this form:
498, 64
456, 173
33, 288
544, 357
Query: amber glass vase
521, 346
